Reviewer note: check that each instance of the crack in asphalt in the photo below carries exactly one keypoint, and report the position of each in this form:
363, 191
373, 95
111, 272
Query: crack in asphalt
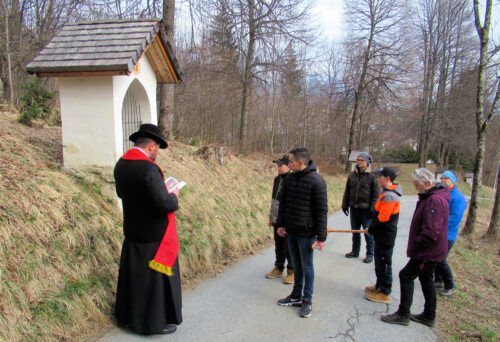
353, 319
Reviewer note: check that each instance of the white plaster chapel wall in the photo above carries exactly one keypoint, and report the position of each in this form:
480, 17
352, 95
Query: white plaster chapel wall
91, 114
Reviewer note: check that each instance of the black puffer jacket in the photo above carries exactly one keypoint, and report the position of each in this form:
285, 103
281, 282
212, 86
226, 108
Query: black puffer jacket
361, 191
304, 207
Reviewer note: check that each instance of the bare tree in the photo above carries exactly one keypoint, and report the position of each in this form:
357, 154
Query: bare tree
444, 29
257, 23
167, 91
482, 120
374, 24
492, 232
9, 85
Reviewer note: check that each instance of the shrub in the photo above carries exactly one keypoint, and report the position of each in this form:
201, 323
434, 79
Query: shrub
401, 154
35, 103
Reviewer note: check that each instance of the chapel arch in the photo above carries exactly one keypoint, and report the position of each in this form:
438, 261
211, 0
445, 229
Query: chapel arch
136, 110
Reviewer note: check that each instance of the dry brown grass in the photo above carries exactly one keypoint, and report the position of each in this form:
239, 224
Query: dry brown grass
472, 313
61, 232
59, 241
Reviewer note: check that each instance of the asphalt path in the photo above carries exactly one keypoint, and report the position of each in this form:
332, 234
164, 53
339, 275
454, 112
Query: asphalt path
240, 303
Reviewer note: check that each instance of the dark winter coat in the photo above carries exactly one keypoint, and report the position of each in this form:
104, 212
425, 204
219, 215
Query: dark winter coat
276, 195
361, 190
384, 225
145, 199
278, 186
428, 240
303, 206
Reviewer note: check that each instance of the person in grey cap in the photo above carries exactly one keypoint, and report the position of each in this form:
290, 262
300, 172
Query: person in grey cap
359, 200
280, 243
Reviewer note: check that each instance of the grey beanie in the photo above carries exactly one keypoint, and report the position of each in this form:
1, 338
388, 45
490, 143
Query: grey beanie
364, 155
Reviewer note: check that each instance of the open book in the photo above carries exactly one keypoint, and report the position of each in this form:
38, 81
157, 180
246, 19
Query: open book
173, 184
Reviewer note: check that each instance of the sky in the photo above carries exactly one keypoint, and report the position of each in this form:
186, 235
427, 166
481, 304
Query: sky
330, 16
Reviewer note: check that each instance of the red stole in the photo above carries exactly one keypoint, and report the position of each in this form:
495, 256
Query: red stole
166, 254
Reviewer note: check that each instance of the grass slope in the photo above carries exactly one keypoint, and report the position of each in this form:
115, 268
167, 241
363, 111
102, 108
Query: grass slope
61, 232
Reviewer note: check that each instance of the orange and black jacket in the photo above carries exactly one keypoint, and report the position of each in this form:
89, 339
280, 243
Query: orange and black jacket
384, 226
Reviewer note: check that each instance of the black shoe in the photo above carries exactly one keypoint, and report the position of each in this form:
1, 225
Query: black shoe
351, 255
368, 259
395, 318
421, 318
447, 292
306, 308
439, 285
122, 325
290, 301
169, 329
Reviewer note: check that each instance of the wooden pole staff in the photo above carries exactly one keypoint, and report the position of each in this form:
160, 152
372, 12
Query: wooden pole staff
333, 230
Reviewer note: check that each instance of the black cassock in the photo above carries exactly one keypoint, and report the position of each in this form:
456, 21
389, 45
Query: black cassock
146, 300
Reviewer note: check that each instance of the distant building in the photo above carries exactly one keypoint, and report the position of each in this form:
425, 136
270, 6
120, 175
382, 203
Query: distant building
469, 177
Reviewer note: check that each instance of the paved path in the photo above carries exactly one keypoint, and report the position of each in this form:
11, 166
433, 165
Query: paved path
240, 304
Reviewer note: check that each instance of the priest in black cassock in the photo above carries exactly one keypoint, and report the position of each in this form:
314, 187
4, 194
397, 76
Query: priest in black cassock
148, 298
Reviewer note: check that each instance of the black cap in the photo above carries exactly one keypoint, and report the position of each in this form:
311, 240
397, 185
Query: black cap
387, 171
149, 130
283, 160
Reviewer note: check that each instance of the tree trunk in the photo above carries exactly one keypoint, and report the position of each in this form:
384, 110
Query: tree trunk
476, 186
167, 91
492, 232
358, 99
247, 79
9, 85
483, 33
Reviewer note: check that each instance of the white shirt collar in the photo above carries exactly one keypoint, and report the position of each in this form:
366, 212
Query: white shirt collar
140, 149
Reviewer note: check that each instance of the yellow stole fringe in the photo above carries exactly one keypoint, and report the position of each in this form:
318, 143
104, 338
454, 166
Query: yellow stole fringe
161, 268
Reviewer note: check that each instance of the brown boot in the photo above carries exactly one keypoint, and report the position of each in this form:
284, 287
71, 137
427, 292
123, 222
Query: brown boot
379, 297
290, 278
371, 289
275, 273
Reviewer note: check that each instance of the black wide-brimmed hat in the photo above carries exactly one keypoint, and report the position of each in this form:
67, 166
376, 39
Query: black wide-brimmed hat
149, 130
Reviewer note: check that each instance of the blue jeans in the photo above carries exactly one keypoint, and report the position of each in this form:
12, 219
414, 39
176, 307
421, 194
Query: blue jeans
443, 271
383, 267
361, 217
302, 258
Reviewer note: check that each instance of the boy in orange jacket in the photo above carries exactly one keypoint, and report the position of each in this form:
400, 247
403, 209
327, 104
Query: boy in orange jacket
384, 228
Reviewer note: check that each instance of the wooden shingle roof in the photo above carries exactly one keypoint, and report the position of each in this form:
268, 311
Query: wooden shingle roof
107, 48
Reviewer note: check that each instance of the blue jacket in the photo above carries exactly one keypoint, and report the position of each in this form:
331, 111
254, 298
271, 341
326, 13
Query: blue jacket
457, 208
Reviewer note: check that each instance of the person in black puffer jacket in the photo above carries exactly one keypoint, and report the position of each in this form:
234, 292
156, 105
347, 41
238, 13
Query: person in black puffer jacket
302, 216
360, 196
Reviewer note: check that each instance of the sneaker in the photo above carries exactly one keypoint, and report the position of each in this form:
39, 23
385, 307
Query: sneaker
447, 292
290, 301
371, 289
275, 273
368, 259
290, 278
421, 318
379, 297
351, 255
306, 308
439, 285
395, 318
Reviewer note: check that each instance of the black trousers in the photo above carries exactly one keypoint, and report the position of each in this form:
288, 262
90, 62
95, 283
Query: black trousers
443, 270
424, 270
383, 267
282, 252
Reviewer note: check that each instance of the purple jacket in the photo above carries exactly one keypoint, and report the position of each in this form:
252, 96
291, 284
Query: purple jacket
429, 227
